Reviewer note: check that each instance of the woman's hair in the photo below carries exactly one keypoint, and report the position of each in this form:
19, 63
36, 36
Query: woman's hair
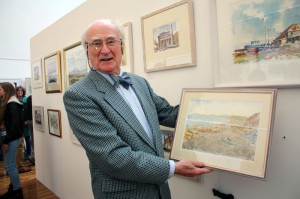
23, 89
9, 91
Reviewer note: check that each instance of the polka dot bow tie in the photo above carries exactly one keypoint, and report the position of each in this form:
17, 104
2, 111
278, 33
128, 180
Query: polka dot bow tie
124, 80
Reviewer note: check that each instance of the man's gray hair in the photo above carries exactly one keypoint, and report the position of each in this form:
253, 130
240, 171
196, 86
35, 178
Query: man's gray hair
116, 23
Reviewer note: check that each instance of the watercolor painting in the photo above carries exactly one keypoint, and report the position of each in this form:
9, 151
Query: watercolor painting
222, 127
266, 30
262, 42
228, 129
75, 63
165, 37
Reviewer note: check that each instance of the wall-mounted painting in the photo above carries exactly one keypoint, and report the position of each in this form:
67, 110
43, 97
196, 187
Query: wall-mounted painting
37, 74
227, 129
127, 58
54, 122
53, 80
38, 118
75, 62
169, 37
258, 43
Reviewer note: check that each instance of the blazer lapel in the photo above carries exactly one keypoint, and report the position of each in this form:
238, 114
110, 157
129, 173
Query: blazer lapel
149, 112
119, 105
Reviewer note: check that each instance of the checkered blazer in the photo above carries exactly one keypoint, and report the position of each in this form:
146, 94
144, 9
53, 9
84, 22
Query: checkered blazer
124, 163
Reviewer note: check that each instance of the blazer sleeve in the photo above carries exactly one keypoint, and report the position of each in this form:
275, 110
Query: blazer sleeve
110, 144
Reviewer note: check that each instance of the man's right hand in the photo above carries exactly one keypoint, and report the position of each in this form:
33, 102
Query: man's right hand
190, 168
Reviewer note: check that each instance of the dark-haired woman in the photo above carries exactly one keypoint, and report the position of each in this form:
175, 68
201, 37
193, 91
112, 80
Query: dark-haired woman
12, 115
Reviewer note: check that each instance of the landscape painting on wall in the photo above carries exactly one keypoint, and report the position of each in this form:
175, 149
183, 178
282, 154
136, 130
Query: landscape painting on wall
75, 63
54, 122
227, 129
262, 42
53, 80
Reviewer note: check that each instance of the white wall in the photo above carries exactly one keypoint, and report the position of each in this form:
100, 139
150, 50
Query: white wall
63, 167
19, 21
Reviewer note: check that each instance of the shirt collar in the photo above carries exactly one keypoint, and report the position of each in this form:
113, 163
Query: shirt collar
107, 77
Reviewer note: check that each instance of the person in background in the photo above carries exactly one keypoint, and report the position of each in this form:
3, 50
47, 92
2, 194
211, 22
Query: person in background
116, 116
30, 127
23, 151
12, 115
2, 134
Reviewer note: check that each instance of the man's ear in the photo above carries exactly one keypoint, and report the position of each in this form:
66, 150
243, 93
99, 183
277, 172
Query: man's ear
122, 50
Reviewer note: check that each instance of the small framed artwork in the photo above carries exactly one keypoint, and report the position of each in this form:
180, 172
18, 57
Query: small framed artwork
52, 68
169, 37
261, 42
28, 86
54, 122
127, 58
37, 74
75, 63
227, 129
38, 118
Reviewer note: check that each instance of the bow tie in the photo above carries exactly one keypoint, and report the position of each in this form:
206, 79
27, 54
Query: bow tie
124, 80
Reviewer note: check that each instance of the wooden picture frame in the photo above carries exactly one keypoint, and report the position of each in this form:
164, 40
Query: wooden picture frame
38, 120
227, 129
52, 70
256, 49
75, 63
169, 37
127, 58
54, 122
37, 74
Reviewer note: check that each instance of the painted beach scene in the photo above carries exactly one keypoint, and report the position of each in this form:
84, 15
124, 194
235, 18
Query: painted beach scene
225, 128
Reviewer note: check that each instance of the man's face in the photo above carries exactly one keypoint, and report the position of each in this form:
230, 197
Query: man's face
105, 57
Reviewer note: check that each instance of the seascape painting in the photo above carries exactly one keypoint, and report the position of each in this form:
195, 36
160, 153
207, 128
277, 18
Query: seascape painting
262, 42
264, 35
222, 128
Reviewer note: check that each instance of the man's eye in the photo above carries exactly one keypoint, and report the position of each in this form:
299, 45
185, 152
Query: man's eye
97, 43
111, 42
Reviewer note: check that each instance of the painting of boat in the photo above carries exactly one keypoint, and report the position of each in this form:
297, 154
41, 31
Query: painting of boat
286, 45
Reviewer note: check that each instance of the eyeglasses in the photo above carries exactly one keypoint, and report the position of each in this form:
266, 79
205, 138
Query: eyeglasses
98, 44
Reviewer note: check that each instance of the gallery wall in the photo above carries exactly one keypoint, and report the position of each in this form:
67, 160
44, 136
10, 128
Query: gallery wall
19, 22
62, 166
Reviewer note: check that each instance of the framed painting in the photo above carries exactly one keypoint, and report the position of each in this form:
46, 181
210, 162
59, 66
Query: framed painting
38, 118
54, 122
52, 69
227, 129
28, 86
127, 58
37, 74
75, 63
169, 37
257, 43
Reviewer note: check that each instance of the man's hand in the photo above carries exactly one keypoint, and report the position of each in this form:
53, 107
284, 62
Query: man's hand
190, 168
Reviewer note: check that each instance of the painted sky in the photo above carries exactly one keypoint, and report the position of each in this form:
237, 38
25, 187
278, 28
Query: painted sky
216, 107
253, 19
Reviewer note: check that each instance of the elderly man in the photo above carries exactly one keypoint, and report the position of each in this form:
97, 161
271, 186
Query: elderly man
116, 116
